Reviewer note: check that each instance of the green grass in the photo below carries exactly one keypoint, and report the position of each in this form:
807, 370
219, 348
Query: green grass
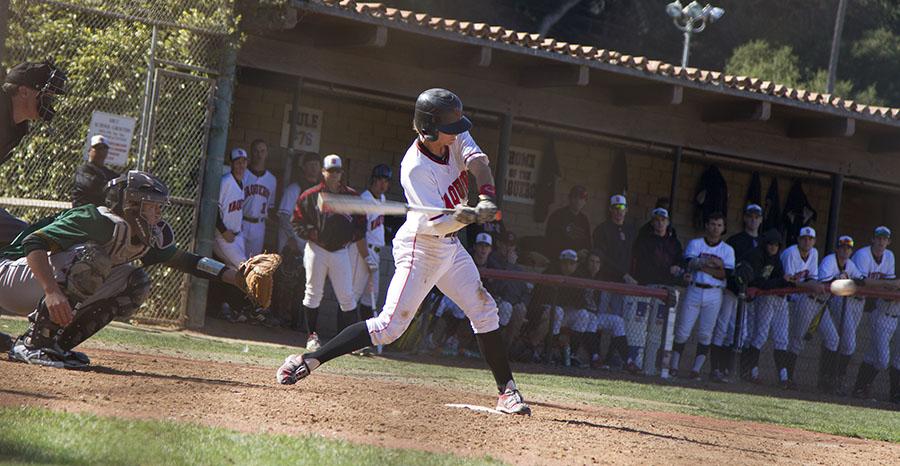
824, 417
40, 436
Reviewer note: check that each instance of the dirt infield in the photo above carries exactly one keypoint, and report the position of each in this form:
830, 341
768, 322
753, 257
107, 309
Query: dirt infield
393, 414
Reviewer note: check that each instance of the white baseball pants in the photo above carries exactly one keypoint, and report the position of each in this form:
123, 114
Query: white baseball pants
883, 329
701, 304
365, 282
804, 310
771, 320
321, 263
254, 236
422, 262
232, 253
852, 314
576, 320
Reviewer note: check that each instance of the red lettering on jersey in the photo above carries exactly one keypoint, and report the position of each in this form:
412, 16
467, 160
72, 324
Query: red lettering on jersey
236, 205
458, 185
447, 202
256, 189
379, 220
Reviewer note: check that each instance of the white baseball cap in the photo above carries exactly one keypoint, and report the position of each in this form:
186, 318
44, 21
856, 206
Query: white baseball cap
484, 238
618, 200
331, 161
807, 231
753, 209
238, 153
568, 255
660, 212
98, 139
883, 231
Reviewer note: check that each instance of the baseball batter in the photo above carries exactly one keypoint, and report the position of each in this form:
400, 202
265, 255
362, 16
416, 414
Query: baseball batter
709, 260
365, 266
801, 267
229, 241
876, 263
434, 172
842, 318
75, 273
259, 197
328, 234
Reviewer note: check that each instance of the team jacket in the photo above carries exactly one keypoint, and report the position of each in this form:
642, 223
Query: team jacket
329, 230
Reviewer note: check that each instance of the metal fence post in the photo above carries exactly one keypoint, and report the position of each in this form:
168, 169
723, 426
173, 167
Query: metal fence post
215, 153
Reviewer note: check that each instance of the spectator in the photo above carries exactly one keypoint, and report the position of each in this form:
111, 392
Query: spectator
259, 197
771, 310
597, 302
568, 227
801, 264
709, 261
647, 228
307, 176
743, 244
657, 256
614, 239
832, 365
327, 237
511, 295
91, 177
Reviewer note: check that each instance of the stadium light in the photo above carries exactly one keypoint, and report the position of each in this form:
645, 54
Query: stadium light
691, 19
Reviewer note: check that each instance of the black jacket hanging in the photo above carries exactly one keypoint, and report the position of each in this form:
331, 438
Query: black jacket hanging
711, 195
772, 209
798, 212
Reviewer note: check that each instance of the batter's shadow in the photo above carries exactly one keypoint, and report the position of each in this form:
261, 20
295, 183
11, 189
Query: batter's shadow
106, 370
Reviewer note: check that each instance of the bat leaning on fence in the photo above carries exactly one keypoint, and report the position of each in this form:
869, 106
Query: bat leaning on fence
344, 204
814, 325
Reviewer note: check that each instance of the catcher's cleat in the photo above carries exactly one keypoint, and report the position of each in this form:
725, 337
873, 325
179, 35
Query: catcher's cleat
312, 342
511, 402
293, 369
48, 356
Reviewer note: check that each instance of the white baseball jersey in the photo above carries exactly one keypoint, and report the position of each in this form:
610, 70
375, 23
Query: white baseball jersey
866, 264
286, 207
259, 194
698, 248
374, 222
231, 203
433, 181
829, 270
793, 264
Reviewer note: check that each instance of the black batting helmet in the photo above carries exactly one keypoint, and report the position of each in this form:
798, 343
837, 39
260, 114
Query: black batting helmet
439, 110
382, 171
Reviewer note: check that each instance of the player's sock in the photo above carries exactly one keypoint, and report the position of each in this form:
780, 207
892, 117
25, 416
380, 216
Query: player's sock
791, 359
843, 362
312, 317
781, 364
494, 353
865, 375
346, 319
750, 361
619, 345
700, 358
677, 349
827, 363
895, 385
350, 339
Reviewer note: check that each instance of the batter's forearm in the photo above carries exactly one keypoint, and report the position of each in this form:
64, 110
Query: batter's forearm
482, 172
39, 263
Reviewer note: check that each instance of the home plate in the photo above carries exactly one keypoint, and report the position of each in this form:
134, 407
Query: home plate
480, 409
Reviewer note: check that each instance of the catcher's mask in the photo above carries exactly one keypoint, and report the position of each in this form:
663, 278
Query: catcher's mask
134, 196
48, 80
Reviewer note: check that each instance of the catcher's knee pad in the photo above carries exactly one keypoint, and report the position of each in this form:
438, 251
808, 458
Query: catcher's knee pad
137, 288
89, 269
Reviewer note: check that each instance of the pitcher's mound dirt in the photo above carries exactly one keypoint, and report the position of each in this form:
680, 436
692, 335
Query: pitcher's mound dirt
373, 411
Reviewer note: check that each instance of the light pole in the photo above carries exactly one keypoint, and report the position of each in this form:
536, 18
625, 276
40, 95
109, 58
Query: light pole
690, 19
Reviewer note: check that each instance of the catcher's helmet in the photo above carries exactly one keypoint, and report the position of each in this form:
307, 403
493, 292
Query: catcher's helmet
382, 171
125, 196
439, 110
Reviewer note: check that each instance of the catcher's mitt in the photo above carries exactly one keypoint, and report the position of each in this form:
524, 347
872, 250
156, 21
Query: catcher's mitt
258, 274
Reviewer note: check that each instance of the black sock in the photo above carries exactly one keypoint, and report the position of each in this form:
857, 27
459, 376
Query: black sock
791, 359
715, 357
346, 319
780, 359
350, 339
494, 353
895, 384
312, 316
593, 343
843, 362
751, 360
619, 345
865, 375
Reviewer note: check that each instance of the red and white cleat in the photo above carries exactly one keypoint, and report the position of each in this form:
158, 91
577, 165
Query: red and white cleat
293, 369
511, 402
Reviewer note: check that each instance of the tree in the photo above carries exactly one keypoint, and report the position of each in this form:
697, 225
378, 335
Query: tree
759, 59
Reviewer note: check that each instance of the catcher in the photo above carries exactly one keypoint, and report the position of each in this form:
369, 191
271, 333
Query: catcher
75, 273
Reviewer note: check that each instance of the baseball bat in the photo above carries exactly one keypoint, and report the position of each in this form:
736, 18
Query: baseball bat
814, 325
346, 204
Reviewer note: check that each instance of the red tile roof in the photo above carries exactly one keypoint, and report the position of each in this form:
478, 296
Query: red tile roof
593, 54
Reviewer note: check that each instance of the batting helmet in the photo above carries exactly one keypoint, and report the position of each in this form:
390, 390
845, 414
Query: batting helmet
125, 196
382, 171
439, 110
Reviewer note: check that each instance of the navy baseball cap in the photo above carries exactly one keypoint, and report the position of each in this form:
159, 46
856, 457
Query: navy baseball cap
38, 76
883, 231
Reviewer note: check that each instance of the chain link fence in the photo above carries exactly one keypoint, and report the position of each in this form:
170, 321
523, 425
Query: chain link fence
153, 61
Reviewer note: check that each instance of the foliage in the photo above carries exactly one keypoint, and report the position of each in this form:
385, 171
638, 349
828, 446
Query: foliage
761, 60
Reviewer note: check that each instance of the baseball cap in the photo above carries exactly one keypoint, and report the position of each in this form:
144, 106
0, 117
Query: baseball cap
484, 238
845, 241
753, 209
578, 191
331, 162
238, 153
807, 231
568, 255
98, 139
772, 237
37, 76
883, 231
660, 212
618, 201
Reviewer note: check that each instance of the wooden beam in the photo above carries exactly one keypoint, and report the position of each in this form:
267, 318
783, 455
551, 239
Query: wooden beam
354, 36
554, 76
647, 96
821, 128
884, 144
468, 57
737, 111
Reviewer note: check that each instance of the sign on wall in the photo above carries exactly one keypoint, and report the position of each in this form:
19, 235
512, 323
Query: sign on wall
521, 175
309, 129
118, 131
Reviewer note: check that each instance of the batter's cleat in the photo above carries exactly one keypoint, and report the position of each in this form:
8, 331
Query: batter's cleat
312, 342
293, 369
511, 402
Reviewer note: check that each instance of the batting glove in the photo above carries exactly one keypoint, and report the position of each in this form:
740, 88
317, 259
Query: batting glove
487, 209
465, 214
